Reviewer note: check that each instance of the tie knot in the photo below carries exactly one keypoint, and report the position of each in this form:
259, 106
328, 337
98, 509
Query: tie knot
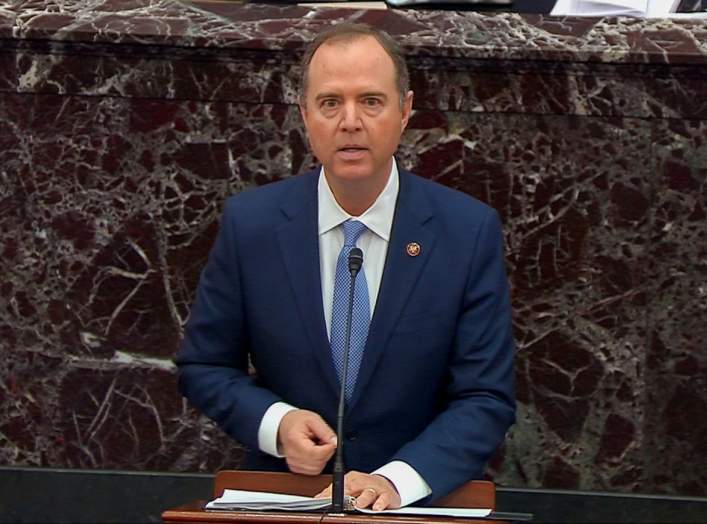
352, 230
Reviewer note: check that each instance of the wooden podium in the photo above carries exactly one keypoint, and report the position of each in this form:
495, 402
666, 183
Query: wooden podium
474, 494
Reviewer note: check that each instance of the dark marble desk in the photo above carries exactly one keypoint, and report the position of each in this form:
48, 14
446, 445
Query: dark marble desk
124, 125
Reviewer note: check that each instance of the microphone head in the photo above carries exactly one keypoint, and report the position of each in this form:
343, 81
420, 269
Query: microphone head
355, 261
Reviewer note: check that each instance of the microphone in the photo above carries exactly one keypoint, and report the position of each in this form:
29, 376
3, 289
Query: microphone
355, 263
337, 500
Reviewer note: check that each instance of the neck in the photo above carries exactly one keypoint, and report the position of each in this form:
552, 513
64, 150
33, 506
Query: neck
355, 203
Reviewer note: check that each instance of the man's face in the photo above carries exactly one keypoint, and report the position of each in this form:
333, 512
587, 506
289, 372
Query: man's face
352, 110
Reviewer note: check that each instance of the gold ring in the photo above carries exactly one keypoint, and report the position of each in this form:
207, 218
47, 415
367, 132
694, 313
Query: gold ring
371, 489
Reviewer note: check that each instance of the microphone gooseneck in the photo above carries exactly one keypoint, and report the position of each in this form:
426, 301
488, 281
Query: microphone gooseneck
337, 501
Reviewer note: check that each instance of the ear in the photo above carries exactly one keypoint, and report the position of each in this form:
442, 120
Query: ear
303, 112
407, 109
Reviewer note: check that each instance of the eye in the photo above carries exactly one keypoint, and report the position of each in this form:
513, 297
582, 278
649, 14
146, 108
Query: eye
330, 103
372, 101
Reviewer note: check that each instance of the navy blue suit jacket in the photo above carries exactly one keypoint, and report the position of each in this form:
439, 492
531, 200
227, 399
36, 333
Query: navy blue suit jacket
436, 385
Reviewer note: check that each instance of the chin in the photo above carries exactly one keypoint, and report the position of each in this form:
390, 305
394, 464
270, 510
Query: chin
353, 173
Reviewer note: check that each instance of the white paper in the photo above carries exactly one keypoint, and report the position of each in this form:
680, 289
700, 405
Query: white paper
239, 495
438, 512
264, 501
346, 5
638, 8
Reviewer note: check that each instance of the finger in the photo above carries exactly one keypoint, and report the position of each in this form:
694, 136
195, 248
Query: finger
366, 498
315, 457
305, 464
323, 452
293, 433
321, 431
383, 502
391, 497
306, 444
300, 468
309, 460
324, 494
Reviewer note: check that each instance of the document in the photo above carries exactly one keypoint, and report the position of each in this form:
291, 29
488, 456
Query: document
460, 3
236, 499
637, 8
264, 501
345, 5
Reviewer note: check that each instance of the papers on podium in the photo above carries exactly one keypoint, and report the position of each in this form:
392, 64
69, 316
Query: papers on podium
345, 5
637, 8
236, 499
263, 501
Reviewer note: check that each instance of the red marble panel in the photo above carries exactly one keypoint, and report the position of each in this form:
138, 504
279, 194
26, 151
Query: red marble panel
110, 207
140, 71
437, 33
676, 322
117, 415
558, 88
479, 62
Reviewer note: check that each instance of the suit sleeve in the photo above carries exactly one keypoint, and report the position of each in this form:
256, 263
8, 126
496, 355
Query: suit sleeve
480, 389
213, 359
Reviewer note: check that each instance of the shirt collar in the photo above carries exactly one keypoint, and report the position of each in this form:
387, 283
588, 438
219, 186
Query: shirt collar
378, 218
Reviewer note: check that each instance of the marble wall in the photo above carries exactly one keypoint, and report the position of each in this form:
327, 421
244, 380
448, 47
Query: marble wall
124, 125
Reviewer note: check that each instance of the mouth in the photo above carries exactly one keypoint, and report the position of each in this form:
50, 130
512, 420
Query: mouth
352, 149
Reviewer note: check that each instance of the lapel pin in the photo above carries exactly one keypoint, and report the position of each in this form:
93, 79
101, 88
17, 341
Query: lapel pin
413, 249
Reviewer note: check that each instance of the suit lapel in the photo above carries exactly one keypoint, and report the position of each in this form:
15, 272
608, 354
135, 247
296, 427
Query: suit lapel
299, 243
411, 224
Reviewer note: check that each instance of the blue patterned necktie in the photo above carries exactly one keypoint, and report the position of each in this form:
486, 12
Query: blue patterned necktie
361, 317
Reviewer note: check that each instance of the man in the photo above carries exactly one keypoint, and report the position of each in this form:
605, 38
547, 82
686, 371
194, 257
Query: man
432, 391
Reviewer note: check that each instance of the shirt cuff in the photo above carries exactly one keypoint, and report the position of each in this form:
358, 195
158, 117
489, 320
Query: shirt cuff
269, 424
410, 485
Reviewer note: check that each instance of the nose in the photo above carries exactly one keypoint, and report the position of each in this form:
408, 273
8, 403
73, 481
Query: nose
350, 117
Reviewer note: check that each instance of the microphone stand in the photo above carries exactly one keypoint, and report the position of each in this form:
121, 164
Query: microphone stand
337, 500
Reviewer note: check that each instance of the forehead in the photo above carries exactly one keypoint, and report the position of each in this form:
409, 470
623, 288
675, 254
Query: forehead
352, 62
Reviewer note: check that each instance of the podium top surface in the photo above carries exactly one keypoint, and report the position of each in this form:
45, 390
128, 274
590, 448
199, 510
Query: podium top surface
194, 513
231, 27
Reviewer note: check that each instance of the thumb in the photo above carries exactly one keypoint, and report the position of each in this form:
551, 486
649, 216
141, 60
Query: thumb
321, 431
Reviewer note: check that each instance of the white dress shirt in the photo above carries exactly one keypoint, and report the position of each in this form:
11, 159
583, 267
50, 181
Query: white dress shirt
374, 243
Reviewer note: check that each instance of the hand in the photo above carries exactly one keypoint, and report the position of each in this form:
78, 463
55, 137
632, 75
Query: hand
373, 491
306, 441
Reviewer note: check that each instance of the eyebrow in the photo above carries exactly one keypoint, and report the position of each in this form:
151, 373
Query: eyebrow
379, 94
366, 94
321, 96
